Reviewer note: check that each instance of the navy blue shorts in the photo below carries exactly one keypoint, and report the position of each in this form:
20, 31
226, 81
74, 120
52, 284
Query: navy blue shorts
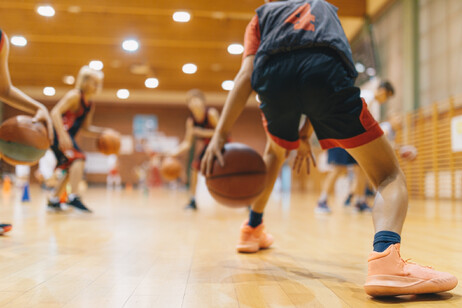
66, 159
314, 82
340, 157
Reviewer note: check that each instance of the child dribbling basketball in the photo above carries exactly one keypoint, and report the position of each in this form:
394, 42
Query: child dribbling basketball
74, 114
17, 99
298, 59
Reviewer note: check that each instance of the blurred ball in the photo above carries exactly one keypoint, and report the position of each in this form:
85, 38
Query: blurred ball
242, 178
171, 169
408, 152
22, 141
109, 142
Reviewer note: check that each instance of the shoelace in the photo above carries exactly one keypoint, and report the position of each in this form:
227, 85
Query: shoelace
407, 262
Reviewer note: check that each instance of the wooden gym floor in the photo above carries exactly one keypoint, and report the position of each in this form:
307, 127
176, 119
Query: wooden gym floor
144, 250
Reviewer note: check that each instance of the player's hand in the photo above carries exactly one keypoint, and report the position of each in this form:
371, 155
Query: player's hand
43, 115
213, 152
65, 142
304, 155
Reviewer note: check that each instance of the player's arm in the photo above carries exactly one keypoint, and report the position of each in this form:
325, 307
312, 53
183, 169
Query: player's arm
15, 97
213, 117
90, 130
234, 106
70, 101
187, 142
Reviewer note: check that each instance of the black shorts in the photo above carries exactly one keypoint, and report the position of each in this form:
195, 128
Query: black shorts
313, 82
66, 159
340, 157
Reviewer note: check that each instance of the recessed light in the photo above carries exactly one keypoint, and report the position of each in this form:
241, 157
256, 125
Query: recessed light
227, 85
181, 16
49, 91
74, 9
46, 10
235, 49
130, 45
189, 68
96, 65
18, 40
371, 71
68, 79
151, 83
123, 93
360, 67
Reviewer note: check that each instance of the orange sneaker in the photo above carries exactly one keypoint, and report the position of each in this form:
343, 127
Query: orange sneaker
389, 275
5, 228
254, 239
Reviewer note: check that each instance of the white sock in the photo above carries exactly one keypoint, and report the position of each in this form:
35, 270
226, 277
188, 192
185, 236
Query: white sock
72, 197
323, 197
53, 199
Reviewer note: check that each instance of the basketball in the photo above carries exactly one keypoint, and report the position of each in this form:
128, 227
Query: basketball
109, 142
408, 152
242, 178
171, 169
23, 141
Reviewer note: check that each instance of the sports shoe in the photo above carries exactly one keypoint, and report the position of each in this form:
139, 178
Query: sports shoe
54, 206
5, 228
348, 200
362, 207
389, 275
254, 239
191, 205
322, 208
77, 203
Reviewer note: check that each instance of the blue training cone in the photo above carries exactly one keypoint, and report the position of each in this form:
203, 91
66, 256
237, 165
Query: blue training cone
25, 194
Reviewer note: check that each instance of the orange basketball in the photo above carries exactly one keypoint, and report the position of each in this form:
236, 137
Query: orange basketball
242, 178
171, 169
22, 141
109, 142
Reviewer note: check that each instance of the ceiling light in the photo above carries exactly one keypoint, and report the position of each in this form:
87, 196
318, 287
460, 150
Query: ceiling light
74, 9
130, 45
151, 83
46, 10
18, 40
96, 65
189, 68
227, 85
49, 91
181, 16
68, 79
235, 49
123, 93
371, 71
360, 67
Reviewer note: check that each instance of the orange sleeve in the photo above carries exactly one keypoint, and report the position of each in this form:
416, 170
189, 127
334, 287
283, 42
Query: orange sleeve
252, 38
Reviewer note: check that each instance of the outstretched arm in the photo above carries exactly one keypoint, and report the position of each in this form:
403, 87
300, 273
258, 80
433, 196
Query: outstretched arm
15, 97
186, 144
89, 129
234, 106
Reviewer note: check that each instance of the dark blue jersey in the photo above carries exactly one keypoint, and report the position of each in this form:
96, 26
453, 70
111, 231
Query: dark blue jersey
297, 24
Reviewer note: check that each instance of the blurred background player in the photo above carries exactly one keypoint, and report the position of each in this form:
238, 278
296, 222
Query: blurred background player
17, 99
298, 59
200, 127
73, 114
340, 160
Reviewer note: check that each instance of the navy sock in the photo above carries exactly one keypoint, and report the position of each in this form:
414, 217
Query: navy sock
255, 219
383, 239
